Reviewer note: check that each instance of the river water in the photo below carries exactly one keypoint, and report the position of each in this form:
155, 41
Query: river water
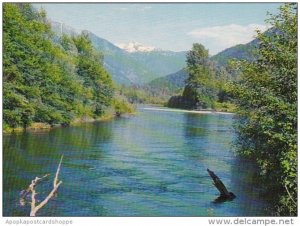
150, 164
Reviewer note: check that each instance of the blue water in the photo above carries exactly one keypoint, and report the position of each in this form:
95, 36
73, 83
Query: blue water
150, 164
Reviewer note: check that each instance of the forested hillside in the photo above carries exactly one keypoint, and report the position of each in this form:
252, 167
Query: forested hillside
171, 82
130, 68
46, 81
238, 52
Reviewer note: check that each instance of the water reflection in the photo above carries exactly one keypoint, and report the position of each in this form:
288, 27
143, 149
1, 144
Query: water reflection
196, 125
32, 154
152, 164
211, 137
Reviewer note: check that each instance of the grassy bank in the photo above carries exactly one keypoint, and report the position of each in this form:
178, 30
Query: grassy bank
120, 108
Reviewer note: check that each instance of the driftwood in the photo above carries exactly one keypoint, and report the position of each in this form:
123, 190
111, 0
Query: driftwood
224, 193
25, 193
31, 188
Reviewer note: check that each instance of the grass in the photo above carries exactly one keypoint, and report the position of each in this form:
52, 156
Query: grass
123, 107
225, 107
33, 126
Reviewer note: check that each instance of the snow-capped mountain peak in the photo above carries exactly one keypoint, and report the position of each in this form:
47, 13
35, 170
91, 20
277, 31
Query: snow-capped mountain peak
135, 47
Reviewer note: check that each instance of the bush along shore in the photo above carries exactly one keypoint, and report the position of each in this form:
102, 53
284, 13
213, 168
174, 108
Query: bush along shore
109, 114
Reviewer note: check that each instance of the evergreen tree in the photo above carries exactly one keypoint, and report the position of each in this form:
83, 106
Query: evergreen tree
200, 90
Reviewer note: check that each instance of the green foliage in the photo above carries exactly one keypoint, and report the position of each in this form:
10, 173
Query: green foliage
179, 102
47, 81
122, 106
145, 94
170, 83
89, 68
200, 87
238, 52
266, 96
197, 56
200, 90
225, 107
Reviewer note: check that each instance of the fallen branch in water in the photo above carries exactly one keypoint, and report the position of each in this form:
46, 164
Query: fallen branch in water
31, 188
224, 194
24, 193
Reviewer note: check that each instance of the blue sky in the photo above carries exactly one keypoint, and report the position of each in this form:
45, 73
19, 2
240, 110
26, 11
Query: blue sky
167, 26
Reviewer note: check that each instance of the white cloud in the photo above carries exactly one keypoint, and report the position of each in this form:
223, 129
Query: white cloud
218, 38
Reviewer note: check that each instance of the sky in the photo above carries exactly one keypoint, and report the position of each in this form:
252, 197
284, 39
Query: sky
167, 26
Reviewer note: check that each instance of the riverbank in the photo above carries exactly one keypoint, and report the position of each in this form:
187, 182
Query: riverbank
218, 107
108, 115
38, 126
33, 126
187, 111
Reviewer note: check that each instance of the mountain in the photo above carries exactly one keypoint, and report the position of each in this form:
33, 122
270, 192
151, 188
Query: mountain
135, 47
161, 62
242, 51
239, 52
135, 67
176, 80
123, 68
171, 82
135, 63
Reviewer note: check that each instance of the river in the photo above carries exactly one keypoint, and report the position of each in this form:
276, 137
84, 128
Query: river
150, 164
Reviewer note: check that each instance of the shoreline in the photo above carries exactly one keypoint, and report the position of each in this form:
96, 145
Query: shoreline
188, 111
38, 127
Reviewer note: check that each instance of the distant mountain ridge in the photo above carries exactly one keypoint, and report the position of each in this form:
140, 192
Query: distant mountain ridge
147, 65
239, 52
138, 67
242, 51
171, 82
136, 47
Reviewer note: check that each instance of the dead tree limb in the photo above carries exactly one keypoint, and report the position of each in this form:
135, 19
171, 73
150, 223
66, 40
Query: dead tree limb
224, 193
56, 184
57, 172
24, 193
31, 188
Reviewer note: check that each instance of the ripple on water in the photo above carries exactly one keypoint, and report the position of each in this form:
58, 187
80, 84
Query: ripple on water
153, 164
